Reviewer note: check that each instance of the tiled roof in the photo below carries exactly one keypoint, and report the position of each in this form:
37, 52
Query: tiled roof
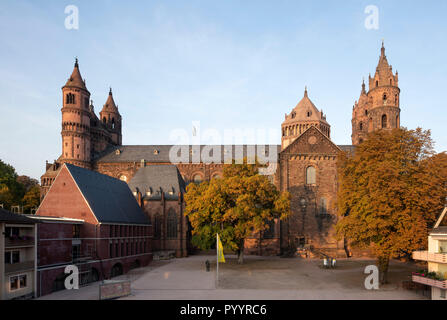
7, 216
158, 179
110, 199
160, 153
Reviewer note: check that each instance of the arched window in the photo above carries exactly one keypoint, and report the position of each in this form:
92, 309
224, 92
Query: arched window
171, 229
384, 96
384, 121
377, 84
311, 176
197, 178
216, 176
323, 206
366, 112
113, 123
361, 126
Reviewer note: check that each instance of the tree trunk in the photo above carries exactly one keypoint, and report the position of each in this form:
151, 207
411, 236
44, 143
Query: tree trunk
383, 262
240, 258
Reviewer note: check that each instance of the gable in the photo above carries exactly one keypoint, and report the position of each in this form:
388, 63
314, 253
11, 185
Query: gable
64, 199
312, 141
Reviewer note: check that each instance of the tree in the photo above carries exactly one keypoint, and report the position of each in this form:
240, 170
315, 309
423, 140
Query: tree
27, 182
235, 206
390, 191
31, 199
11, 191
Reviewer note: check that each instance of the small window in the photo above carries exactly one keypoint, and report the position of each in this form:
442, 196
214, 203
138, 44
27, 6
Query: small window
377, 84
361, 126
13, 283
323, 206
384, 121
197, 178
309, 113
366, 112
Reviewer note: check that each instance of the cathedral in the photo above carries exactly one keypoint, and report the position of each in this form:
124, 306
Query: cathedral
306, 165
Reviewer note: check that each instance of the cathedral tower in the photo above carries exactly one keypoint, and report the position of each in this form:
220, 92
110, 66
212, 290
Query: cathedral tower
379, 107
111, 119
303, 116
76, 121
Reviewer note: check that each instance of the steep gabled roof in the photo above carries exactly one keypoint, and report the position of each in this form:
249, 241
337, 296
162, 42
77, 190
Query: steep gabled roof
110, 199
157, 179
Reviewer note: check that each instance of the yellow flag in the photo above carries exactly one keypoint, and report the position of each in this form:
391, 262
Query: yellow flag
220, 255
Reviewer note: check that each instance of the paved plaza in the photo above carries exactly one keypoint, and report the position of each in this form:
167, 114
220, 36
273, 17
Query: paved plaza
258, 278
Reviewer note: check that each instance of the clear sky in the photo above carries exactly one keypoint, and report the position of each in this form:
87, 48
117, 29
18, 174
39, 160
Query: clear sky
227, 64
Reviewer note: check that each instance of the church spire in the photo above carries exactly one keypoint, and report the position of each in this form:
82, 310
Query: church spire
75, 79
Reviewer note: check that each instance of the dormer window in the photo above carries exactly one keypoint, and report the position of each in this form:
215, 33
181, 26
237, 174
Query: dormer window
156, 151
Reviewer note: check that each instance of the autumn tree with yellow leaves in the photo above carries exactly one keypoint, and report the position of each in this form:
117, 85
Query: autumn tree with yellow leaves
391, 190
235, 206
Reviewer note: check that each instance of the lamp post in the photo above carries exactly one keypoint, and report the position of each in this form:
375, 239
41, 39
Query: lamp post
303, 204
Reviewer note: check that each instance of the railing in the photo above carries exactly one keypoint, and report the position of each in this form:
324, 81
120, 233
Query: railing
19, 267
430, 256
18, 242
442, 284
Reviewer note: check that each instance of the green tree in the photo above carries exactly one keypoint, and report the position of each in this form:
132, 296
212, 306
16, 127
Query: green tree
235, 206
11, 191
390, 192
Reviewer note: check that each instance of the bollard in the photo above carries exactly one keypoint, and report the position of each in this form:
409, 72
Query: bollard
208, 266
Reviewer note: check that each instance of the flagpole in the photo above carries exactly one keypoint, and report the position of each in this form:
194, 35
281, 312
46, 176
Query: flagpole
217, 259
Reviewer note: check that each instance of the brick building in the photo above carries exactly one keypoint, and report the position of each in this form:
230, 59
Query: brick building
93, 221
305, 161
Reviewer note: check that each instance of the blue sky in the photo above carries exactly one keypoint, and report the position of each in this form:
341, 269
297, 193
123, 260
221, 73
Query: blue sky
227, 64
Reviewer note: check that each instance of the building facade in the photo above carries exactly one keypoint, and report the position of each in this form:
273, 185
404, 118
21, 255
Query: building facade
436, 259
17, 256
305, 161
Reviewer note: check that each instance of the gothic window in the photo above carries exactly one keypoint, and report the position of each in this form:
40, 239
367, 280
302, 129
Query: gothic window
377, 84
171, 224
310, 176
361, 126
384, 121
366, 112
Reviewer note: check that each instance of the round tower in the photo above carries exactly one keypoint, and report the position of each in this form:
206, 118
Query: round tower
76, 147
111, 119
380, 107
303, 116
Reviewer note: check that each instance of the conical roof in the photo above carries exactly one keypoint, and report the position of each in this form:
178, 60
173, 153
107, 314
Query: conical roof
75, 79
383, 67
110, 105
305, 110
